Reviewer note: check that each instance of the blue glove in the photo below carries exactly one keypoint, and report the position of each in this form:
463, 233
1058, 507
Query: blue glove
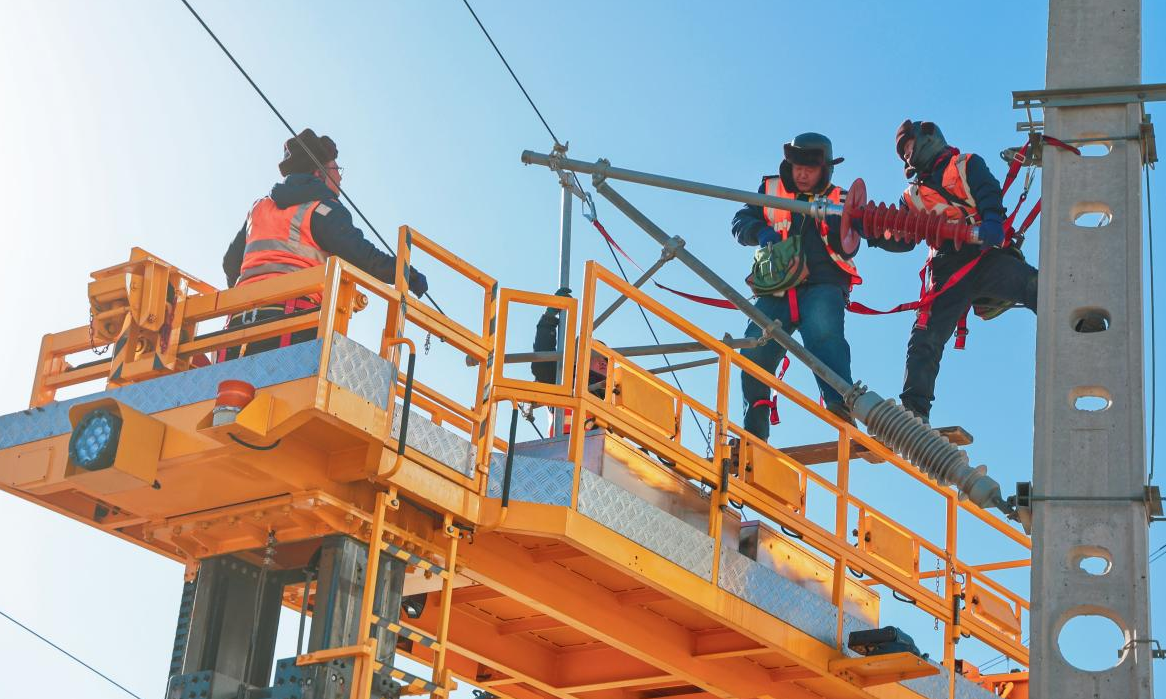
417, 282
992, 230
767, 236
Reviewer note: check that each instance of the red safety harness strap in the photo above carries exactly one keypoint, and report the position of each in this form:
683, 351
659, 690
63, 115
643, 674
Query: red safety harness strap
706, 300
771, 403
927, 295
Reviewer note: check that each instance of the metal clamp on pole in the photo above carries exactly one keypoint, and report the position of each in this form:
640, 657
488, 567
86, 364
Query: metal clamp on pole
668, 252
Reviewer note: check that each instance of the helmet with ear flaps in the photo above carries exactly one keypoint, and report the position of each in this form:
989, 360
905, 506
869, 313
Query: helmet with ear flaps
811, 149
929, 144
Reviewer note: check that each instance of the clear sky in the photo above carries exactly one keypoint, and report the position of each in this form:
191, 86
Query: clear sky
124, 125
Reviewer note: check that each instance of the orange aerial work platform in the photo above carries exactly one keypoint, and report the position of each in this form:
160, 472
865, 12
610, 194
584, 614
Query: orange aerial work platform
611, 563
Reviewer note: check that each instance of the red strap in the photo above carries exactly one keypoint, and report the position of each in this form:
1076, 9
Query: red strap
961, 331
1030, 218
771, 403
923, 305
611, 241
1013, 170
794, 316
706, 300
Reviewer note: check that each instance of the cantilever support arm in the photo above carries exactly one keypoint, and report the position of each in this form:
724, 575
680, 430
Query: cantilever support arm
817, 209
666, 253
886, 420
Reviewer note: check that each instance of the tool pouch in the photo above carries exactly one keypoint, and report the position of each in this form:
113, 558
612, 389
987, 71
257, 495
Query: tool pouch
778, 267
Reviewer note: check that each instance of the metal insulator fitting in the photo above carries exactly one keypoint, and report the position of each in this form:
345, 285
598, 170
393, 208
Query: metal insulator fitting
930, 452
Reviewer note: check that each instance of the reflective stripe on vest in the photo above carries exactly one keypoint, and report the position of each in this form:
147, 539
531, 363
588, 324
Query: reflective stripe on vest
920, 197
781, 220
279, 241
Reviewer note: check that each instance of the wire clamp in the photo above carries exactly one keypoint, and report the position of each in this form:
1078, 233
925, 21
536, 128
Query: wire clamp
1157, 652
669, 250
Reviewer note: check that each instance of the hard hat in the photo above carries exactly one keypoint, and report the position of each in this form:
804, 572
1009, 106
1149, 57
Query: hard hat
811, 149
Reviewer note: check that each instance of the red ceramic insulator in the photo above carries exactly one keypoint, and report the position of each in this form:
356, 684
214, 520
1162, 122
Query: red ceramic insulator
901, 223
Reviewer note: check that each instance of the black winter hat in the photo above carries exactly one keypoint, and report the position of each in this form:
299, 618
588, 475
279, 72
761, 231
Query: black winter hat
296, 159
814, 150
929, 145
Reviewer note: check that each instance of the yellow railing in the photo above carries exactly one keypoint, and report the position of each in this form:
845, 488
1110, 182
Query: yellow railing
163, 313
149, 312
650, 416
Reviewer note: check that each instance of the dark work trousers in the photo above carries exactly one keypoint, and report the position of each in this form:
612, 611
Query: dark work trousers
263, 314
999, 275
822, 309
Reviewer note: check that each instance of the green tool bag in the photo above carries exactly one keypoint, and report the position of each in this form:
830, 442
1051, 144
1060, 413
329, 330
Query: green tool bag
778, 266
988, 308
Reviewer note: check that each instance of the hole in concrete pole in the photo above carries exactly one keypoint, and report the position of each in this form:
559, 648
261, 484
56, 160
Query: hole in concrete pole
1095, 150
1094, 560
1090, 320
1092, 219
1094, 565
1091, 642
1090, 399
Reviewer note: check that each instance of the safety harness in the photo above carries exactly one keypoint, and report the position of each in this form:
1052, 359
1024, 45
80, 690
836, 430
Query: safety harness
782, 222
1013, 238
250, 316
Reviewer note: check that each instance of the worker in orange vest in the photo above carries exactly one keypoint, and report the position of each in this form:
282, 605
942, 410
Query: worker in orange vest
802, 275
993, 275
298, 226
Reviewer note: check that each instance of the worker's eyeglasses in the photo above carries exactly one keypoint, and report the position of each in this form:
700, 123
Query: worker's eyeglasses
339, 170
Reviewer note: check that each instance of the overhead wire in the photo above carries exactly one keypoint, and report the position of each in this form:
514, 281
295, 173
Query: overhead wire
75, 659
579, 186
1159, 552
288, 126
991, 663
512, 74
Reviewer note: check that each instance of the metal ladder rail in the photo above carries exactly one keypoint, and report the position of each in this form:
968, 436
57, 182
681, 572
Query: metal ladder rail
440, 684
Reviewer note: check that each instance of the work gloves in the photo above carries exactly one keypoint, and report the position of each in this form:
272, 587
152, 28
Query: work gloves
767, 236
417, 282
992, 230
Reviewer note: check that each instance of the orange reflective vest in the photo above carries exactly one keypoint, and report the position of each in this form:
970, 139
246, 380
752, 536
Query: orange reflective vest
279, 241
781, 221
920, 197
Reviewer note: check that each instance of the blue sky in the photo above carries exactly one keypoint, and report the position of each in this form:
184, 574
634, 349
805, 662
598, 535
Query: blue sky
124, 126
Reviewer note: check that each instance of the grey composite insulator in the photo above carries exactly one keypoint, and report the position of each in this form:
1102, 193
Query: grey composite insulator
926, 449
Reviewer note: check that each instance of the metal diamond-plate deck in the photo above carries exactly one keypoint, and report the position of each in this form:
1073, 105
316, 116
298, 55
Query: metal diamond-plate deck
645, 524
933, 687
437, 442
533, 479
966, 689
765, 589
171, 391
356, 368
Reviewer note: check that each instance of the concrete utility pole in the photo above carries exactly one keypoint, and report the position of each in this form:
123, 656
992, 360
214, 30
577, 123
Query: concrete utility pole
1089, 466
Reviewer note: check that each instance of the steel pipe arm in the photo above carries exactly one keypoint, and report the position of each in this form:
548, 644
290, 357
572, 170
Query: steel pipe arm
602, 168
